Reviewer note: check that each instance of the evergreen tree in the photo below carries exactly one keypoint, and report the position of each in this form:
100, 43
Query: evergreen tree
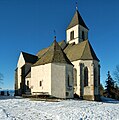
116, 74
116, 92
110, 90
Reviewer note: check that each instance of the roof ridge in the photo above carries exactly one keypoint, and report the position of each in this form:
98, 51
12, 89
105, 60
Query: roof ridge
54, 43
84, 48
57, 47
44, 53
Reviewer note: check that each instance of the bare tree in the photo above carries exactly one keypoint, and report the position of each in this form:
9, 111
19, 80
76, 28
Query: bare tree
116, 74
1, 79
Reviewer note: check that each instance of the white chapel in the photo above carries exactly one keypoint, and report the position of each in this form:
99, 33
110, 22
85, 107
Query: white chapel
66, 69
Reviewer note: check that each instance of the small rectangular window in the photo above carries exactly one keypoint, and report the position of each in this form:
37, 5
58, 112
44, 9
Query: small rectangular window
28, 83
40, 83
72, 35
68, 80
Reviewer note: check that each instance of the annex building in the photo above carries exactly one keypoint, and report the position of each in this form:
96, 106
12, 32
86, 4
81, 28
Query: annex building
63, 70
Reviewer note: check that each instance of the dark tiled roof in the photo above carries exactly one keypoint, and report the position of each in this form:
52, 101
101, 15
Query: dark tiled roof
54, 54
43, 51
81, 51
29, 58
77, 19
62, 44
88, 53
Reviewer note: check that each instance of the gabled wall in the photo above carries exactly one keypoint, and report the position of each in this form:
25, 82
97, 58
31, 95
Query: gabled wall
21, 63
22, 70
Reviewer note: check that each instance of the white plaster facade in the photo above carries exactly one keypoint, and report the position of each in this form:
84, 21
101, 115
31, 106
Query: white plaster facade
25, 67
53, 77
78, 29
41, 73
21, 63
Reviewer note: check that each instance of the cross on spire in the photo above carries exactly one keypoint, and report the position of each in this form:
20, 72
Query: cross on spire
76, 5
54, 35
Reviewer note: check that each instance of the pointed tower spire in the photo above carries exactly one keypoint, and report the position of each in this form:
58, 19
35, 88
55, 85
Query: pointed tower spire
77, 31
77, 20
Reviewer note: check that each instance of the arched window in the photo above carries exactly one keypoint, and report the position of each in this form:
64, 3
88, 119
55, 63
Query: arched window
85, 76
69, 80
27, 84
71, 35
75, 76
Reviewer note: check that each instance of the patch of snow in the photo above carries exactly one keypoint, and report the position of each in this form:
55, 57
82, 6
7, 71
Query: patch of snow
24, 109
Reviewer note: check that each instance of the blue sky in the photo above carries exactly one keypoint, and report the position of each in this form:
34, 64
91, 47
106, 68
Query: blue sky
28, 25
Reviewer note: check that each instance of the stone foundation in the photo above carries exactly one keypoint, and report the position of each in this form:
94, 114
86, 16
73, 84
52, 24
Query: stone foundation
91, 97
88, 97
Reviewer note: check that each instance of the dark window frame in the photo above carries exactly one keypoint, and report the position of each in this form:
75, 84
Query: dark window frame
40, 83
85, 76
71, 35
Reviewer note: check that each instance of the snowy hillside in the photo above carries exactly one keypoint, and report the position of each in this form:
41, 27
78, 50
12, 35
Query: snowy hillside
24, 109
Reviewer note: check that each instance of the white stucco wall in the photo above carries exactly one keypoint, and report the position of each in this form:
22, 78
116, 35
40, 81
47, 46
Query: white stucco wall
53, 77
59, 83
21, 62
41, 73
76, 66
77, 34
58, 74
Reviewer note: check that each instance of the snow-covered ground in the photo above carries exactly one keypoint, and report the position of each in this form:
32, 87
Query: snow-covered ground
25, 109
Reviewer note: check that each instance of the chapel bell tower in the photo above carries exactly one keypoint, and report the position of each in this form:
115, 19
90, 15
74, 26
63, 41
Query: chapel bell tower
77, 31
